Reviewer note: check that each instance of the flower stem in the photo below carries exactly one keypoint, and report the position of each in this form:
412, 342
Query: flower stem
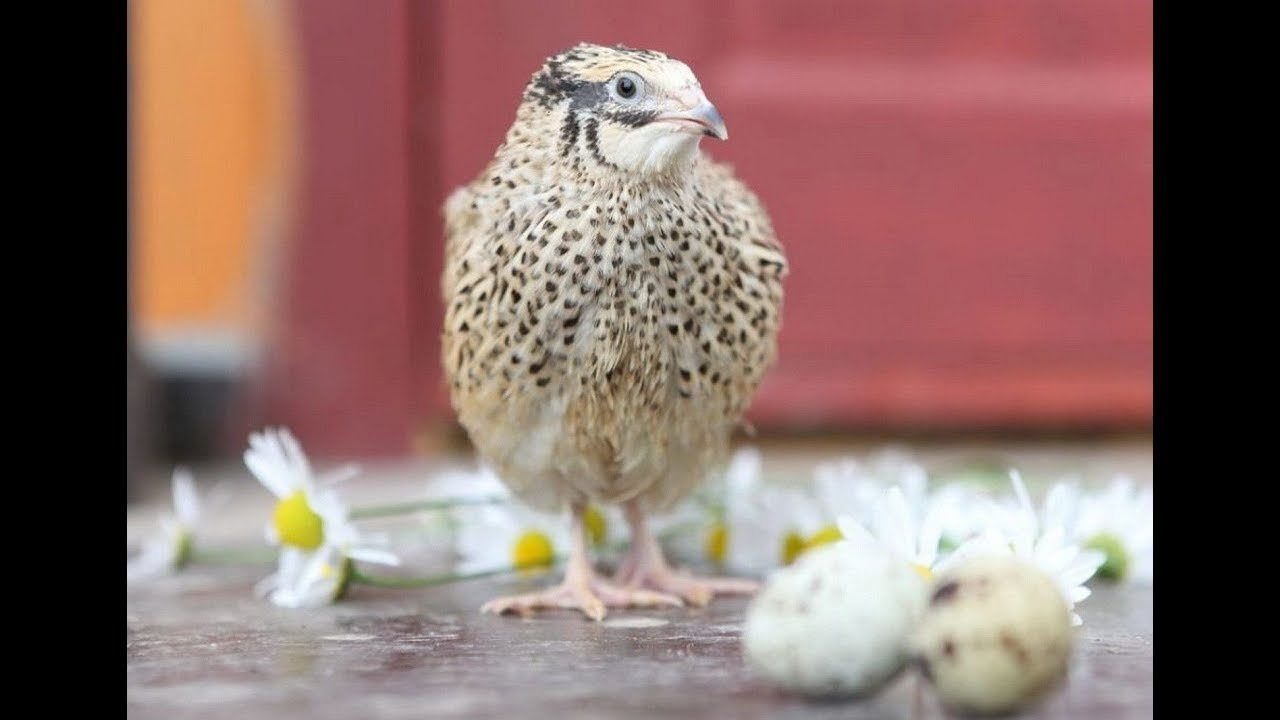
232, 556
421, 506
421, 582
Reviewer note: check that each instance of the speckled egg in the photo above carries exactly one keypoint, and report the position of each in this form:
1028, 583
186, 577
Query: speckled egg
836, 623
996, 636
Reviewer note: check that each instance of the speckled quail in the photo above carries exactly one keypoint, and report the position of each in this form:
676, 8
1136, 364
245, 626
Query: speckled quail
612, 302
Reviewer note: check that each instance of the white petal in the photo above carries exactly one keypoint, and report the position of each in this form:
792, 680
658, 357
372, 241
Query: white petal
465, 484
914, 482
326, 503
293, 450
1024, 498
378, 538
1060, 507
469, 566
744, 469
1083, 567
155, 560
338, 475
1052, 551
314, 583
893, 523
278, 462
930, 537
269, 474
373, 555
186, 503
990, 542
292, 563
853, 530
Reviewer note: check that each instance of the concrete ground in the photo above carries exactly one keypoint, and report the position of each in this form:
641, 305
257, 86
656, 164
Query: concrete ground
200, 645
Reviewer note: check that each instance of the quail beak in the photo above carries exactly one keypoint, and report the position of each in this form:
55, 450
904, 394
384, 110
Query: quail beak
700, 117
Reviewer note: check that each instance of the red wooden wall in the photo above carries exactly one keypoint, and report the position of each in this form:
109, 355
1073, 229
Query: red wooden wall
964, 191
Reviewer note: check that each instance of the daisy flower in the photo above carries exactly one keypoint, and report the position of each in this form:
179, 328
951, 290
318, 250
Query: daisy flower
911, 534
308, 580
466, 484
437, 530
496, 537
1019, 531
742, 523
908, 518
960, 510
697, 529
310, 523
766, 526
170, 548
1120, 523
694, 532
854, 490
791, 522
846, 487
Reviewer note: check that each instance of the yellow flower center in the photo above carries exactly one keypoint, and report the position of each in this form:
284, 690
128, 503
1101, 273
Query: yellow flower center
297, 524
597, 527
794, 544
923, 572
717, 543
532, 549
792, 547
828, 534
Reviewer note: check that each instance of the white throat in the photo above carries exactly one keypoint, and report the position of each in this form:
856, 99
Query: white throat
653, 149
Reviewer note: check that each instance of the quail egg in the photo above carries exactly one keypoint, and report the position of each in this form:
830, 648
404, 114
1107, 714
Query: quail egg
836, 623
995, 637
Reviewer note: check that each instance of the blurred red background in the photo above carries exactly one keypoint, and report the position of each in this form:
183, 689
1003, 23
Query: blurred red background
964, 190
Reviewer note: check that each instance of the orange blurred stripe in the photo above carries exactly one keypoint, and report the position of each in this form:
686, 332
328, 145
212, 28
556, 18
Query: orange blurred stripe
213, 134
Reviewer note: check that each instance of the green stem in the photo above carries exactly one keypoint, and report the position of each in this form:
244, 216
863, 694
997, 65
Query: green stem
232, 556
421, 582
421, 506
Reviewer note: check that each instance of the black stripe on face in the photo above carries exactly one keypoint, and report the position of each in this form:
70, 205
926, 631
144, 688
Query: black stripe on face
630, 118
569, 133
553, 84
593, 142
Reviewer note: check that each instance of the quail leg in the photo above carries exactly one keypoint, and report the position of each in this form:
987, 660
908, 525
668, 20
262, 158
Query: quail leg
581, 589
645, 566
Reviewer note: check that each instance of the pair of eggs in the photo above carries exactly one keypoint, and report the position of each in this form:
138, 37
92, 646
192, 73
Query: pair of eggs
992, 634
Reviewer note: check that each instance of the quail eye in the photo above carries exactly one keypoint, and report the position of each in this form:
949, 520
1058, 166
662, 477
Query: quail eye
627, 86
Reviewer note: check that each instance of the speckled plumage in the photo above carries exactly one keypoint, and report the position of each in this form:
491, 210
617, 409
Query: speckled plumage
612, 296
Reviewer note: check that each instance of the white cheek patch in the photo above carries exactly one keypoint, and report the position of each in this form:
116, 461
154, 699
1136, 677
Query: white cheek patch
648, 148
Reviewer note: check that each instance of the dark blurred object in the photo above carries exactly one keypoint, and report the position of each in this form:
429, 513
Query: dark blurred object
964, 191
173, 418
193, 415
137, 431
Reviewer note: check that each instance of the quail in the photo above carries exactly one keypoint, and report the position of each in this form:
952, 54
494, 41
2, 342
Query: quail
612, 300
